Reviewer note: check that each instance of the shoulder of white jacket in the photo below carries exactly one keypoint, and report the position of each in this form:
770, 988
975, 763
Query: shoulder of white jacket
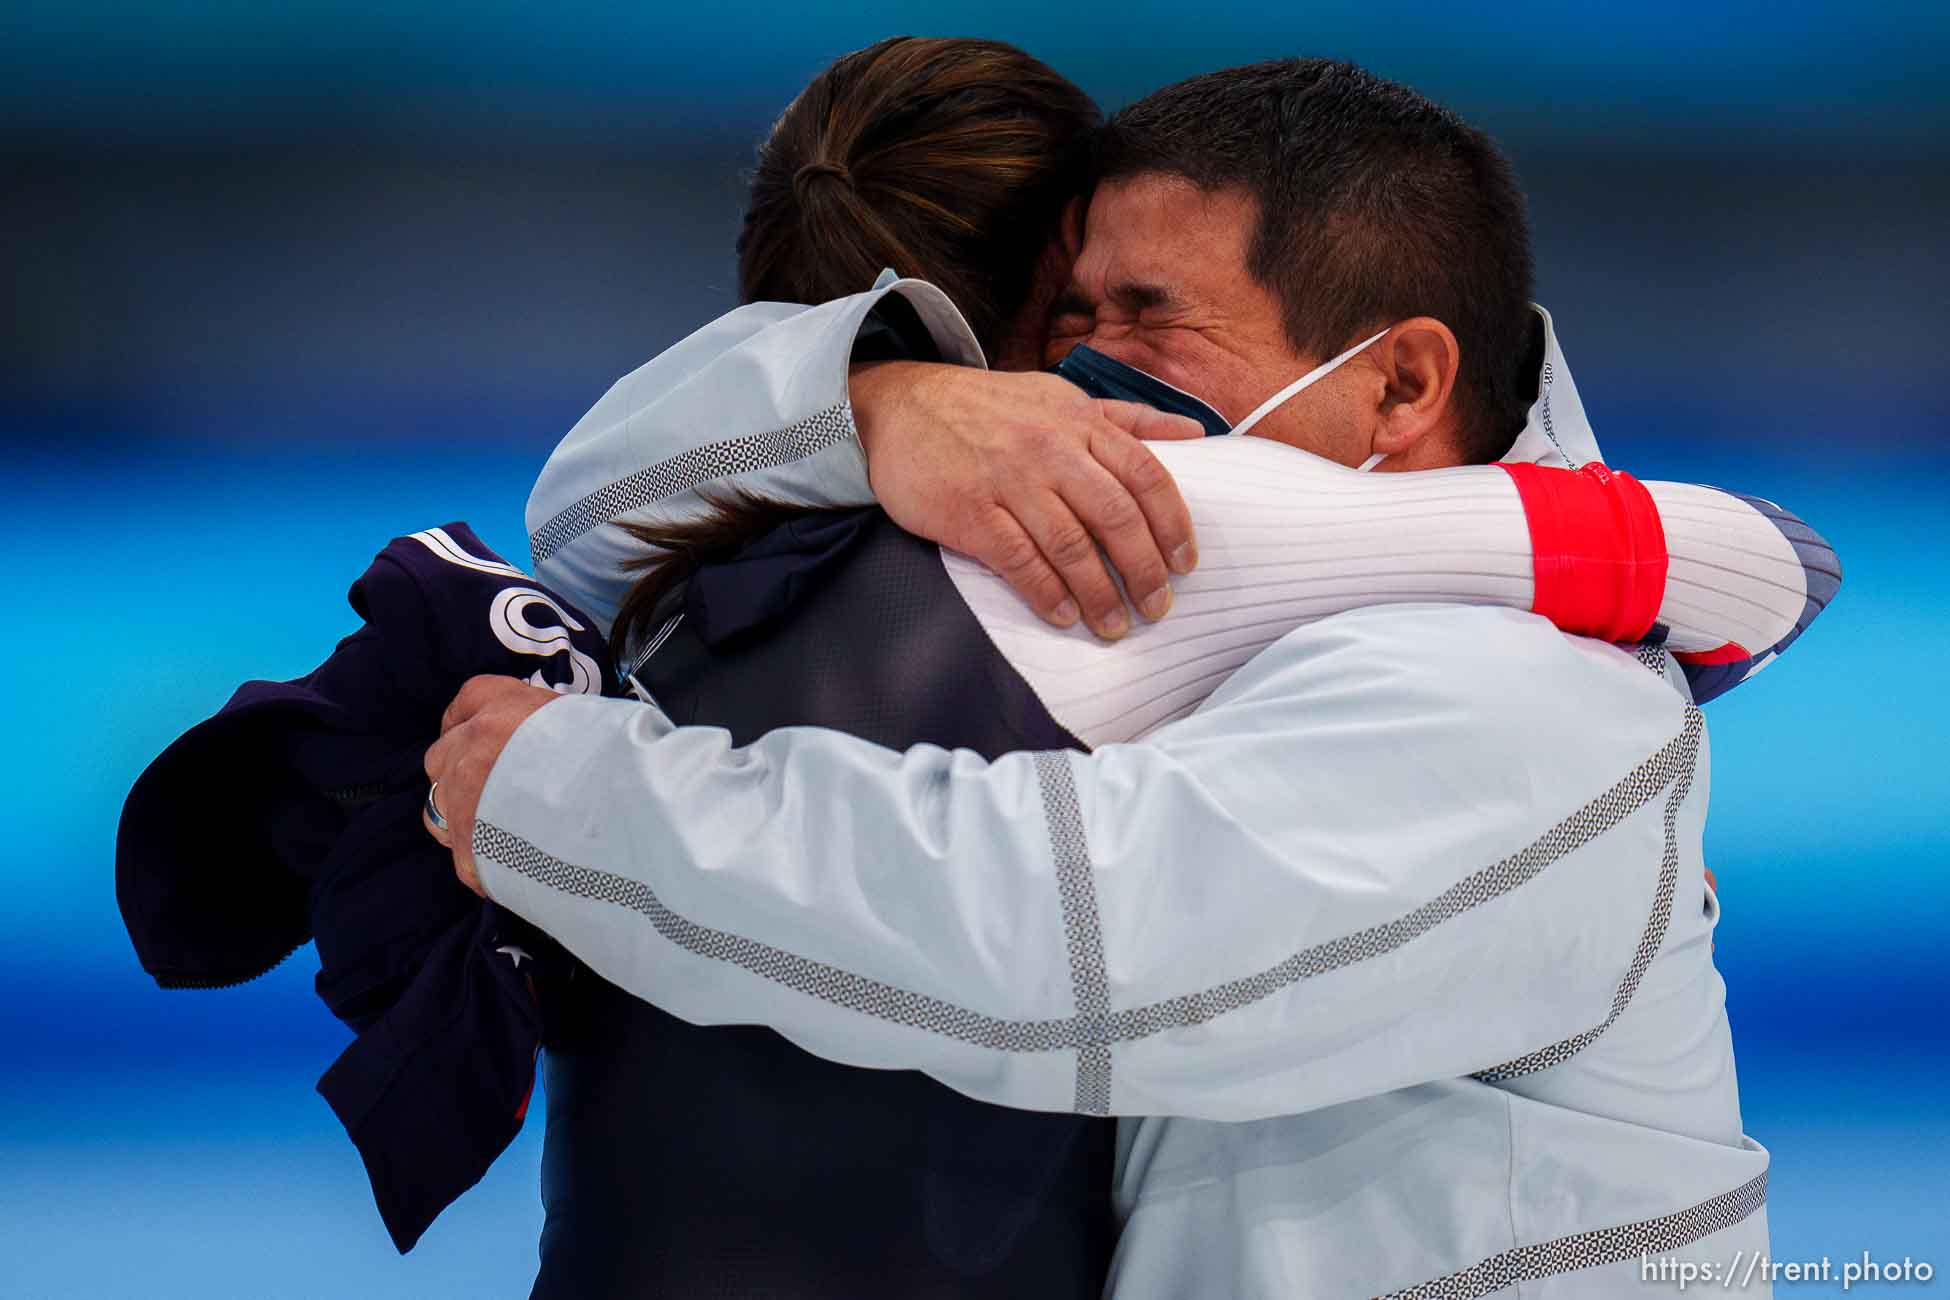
561, 477
707, 341
826, 329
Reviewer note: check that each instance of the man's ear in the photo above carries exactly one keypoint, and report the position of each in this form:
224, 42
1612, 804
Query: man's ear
1418, 361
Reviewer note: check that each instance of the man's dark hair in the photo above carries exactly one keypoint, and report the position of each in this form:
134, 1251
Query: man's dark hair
1374, 205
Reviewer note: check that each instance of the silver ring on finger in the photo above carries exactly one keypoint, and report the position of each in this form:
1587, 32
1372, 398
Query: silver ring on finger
433, 809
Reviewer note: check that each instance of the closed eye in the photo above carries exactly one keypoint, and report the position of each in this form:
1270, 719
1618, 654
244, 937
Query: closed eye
1138, 297
1072, 308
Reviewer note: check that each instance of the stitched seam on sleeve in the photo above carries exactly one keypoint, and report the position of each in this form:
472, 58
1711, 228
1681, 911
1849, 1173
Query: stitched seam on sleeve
690, 469
1104, 1029
1650, 939
1082, 930
1568, 1254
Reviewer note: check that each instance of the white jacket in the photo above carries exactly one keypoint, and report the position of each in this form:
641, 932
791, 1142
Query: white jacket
1412, 906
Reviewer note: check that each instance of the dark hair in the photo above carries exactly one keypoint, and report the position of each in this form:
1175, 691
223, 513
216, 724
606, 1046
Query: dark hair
947, 159
1375, 204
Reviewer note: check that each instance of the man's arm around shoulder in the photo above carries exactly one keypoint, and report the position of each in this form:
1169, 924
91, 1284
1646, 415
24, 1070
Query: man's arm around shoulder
1401, 845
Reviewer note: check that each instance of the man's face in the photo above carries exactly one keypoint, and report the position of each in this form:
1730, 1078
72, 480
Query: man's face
1161, 284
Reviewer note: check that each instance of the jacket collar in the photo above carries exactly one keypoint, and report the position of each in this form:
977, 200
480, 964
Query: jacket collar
1556, 432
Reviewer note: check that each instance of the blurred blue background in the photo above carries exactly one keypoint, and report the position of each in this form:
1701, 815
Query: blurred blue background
282, 282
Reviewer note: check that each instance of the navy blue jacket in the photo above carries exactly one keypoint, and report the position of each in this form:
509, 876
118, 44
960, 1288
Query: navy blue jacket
686, 1161
294, 815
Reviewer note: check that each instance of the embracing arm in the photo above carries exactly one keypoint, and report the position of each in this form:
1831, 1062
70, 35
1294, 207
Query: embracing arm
1287, 538
755, 401
1021, 471
764, 402
1312, 890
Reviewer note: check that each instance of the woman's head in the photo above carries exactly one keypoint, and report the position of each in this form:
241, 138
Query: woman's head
948, 159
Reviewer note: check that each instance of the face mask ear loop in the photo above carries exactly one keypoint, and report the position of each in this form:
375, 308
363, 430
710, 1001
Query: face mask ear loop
1318, 373
1371, 462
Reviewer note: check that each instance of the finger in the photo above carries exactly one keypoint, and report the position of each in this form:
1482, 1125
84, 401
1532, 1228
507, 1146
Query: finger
1103, 506
465, 869
441, 753
1151, 486
1157, 496
426, 820
1013, 555
475, 694
1068, 546
464, 705
1149, 422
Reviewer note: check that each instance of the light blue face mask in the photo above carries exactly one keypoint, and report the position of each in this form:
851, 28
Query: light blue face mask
1107, 377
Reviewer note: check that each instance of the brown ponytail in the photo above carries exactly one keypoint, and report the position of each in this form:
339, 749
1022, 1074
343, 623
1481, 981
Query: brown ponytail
949, 160
946, 159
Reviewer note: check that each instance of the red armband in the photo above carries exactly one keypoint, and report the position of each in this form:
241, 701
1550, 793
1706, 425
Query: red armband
1598, 549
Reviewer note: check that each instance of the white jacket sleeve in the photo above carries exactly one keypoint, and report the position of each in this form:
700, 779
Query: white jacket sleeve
1402, 845
756, 400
